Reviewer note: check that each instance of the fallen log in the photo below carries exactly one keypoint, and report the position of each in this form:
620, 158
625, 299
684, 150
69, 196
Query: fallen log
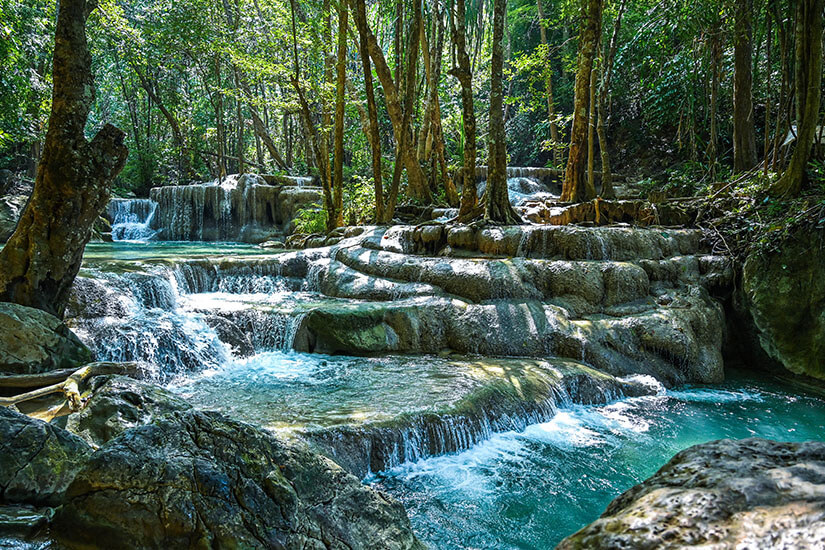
66, 381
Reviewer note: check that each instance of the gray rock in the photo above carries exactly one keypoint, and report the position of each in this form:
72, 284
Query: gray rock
118, 403
11, 206
37, 460
200, 480
751, 493
33, 341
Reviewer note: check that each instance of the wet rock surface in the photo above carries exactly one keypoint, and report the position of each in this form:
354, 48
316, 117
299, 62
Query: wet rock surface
118, 403
199, 479
37, 460
781, 305
32, 341
751, 493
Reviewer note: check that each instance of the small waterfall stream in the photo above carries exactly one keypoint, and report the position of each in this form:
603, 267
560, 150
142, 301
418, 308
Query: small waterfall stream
132, 219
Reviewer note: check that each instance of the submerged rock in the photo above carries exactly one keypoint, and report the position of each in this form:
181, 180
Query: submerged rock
201, 480
782, 305
33, 341
751, 493
37, 460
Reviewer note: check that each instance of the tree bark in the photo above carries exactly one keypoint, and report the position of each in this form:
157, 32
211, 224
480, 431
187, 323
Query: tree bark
337, 217
607, 190
548, 85
808, 77
463, 73
41, 259
575, 188
744, 133
360, 16
716, 65
498, 208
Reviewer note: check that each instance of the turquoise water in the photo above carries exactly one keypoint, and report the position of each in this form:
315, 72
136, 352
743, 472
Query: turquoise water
529, 490
166, 250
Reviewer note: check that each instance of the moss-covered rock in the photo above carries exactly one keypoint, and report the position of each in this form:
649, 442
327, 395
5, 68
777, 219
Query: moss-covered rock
751, 493
37, 460
782, 304
33, 341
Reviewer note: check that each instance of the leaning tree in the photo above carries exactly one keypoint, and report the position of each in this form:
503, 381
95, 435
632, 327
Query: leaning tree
71, 189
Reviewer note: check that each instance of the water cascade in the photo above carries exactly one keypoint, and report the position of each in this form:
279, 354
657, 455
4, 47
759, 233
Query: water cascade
132, 219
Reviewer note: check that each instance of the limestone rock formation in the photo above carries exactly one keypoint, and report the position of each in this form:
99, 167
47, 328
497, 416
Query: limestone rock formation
782, 303
33, 341
726, 494
37, 460
200, 480
10, 208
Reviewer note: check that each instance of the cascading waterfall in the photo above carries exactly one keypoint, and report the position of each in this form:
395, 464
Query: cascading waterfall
132, 219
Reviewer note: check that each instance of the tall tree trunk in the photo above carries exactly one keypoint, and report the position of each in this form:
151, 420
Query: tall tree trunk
463, 73
325, 132
360, 16
767, 146
607, 190
397, 113
808, 78
497, 208
341, 69
575, 187
716, 68
41, 259
417, 186
548, 85
591, 124
744, 134
782, 107
312, 139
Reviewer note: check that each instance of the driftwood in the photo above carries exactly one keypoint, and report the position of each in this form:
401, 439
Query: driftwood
66, 381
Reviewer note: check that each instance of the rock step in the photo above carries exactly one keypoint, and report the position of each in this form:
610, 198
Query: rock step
542, 241
598, 283
675, 337
512, 394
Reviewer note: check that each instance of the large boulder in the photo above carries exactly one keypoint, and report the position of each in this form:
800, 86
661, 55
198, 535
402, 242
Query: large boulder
37, 460
751, 493
782, 305
200, 480
33, 341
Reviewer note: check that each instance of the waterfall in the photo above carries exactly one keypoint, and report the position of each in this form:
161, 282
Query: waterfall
132, 219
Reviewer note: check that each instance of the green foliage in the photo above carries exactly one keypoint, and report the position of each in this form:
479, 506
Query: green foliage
311, 220
359, 201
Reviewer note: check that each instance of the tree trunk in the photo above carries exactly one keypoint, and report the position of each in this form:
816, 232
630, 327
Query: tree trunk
744, 134
41, 259
716, 67
808, 77
548, 85
591, 123
575, 188
463, 73
767, 144
497, 208
337, 220
313, 140
607, 190
360, 16
400, 122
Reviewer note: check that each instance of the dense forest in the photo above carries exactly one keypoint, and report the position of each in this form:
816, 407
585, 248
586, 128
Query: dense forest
389, 103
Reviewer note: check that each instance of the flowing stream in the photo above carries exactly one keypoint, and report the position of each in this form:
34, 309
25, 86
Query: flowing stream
474, 471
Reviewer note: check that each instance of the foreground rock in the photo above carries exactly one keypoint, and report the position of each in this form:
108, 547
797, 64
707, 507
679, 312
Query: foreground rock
782, 301
200, 480
32, 341
37, 460
118, 403
752, 493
